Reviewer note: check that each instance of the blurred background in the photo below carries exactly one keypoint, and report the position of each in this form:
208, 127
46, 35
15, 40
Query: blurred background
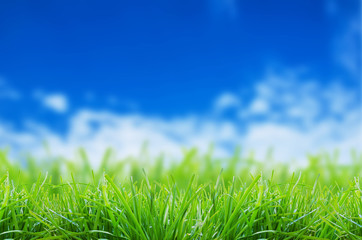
274, 77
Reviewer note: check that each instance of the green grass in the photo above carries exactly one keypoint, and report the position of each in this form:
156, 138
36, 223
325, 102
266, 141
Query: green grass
190, 199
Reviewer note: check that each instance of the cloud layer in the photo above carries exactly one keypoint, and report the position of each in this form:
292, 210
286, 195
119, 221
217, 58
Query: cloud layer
288, 112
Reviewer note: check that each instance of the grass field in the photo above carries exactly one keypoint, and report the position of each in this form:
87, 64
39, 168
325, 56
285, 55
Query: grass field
189, 199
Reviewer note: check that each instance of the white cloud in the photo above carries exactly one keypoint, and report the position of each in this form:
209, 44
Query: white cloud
259, 106
289, 142
226, 101
96, 131
56, 102
296, 97
339, 99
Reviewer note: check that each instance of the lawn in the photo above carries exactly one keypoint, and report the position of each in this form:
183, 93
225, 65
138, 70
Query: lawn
199, 197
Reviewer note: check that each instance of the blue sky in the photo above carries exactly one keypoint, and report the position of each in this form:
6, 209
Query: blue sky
210, 61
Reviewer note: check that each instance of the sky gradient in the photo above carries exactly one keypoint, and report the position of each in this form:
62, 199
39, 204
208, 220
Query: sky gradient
225, 71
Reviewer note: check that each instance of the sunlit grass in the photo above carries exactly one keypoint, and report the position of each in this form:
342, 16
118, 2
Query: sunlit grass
191, 199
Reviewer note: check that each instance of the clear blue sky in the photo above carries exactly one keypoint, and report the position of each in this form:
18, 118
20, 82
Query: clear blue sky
167, 58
